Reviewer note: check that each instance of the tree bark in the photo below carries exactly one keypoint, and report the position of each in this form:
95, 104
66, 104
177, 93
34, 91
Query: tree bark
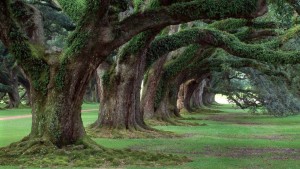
197, 98
14, 97
150, 87
190, 88
208, 96
120, 97
11, 80
57, 91
56, 114
166, 110
168, 86
120, 103
167, 107
180, 100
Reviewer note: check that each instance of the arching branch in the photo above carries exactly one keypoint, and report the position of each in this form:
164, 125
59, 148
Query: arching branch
185, 12
228, 42
234, 23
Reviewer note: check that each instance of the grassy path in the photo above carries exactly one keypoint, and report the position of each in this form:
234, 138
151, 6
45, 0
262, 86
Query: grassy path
15, 117
230, 139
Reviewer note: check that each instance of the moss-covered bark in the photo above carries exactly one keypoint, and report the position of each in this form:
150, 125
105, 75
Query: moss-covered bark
167, 109
229, 42
119, 102
120, 98
56, 109
165, 100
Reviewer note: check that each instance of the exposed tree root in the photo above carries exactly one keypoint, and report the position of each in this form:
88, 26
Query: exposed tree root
84, 153
30, 146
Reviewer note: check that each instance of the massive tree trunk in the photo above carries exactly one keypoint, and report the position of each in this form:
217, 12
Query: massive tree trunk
101, 70
197, 98
151, 82
208, 96
56, 86
120, 96
56, 111
190, 88
167, 108
150, 87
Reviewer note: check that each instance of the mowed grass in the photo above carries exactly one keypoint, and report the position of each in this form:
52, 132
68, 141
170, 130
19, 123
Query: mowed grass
232, 138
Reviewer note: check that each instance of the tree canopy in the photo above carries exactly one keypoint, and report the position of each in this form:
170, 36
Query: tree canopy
149, 58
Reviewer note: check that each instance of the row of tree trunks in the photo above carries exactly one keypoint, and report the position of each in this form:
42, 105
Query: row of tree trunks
14, 79
203, 97
120, 103
193, 92
58, 82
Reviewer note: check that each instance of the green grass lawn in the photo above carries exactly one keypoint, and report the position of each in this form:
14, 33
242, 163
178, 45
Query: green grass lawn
231, 139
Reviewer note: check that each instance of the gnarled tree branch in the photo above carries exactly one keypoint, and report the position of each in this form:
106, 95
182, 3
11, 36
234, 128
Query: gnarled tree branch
185, 12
